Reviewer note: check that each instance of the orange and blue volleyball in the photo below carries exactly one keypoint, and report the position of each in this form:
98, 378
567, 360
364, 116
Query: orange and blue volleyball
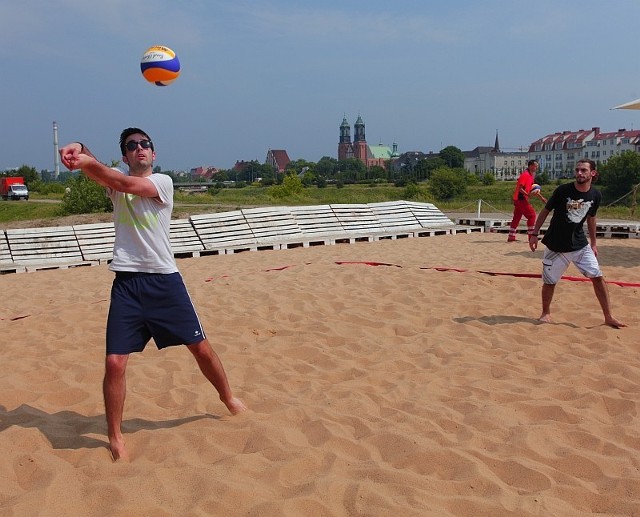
160, 65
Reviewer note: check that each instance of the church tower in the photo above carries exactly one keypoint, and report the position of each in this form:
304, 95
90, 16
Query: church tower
359, 141
345, 148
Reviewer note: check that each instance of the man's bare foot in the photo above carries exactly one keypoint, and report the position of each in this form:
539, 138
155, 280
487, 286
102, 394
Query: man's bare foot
118, 450
612, 322
235, 406
545, 318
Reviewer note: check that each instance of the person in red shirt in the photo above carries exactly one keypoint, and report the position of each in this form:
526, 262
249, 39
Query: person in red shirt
521, 204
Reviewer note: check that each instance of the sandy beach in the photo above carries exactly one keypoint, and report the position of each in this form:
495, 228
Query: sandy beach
393, 377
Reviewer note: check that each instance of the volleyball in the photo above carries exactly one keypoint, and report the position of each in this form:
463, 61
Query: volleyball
160, 65
535, 187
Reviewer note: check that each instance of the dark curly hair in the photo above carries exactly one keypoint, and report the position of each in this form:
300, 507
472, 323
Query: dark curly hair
132, 131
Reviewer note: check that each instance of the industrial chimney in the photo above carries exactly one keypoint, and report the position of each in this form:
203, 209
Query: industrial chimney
56, 156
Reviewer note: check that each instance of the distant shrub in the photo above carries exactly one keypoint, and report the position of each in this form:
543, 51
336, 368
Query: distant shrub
488, 179
472, 179
543, 178
83, 196
291, 187
446, 183
415, 192
44, 188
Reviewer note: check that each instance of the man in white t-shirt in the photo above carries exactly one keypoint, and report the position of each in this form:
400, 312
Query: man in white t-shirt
148, 296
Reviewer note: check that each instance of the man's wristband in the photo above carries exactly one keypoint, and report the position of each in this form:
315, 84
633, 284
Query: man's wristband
81, 146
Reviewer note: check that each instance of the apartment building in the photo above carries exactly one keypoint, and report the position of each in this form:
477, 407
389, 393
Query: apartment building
557, 153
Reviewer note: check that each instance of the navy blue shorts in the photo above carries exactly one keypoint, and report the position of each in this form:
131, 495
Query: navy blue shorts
149, 305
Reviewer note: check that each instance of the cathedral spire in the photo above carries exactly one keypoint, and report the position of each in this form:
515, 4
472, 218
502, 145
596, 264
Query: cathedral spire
496, 146
345, 131
359, 130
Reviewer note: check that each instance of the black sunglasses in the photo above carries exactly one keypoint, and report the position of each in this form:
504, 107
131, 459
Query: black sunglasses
132, 145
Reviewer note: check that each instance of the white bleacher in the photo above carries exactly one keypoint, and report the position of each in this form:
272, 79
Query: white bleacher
431, 219
359, 222
397, 218
274, 227
185, 242
250, 229
224, 232
95, 240
40, 248
319, 224
6, 261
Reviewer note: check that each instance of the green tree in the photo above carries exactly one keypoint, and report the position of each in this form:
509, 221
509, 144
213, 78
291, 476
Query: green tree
84, 196
351, 170
291, 187
452, 156
268, 174
308, 178
327, 167
171, 174
30, 174
424, 168
377, 172
620, 174
301, 166
250, 171
446, 183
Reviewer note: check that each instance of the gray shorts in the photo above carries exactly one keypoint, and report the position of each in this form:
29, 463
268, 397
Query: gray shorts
554, 264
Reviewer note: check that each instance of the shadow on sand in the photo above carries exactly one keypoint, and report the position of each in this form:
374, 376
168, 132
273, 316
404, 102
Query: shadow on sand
68, 429
507, 320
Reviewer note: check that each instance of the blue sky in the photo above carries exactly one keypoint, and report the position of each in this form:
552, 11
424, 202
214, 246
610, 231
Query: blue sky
282, 74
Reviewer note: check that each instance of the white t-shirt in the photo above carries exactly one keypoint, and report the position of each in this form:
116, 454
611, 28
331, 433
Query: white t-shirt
142, 224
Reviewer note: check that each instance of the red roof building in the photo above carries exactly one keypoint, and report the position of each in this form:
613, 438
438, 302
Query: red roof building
278, 159
203, 172
557, 153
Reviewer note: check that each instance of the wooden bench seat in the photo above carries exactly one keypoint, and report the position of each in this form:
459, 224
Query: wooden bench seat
6, 261
397, 218
46, 248
319, 224
185, 242
432, 220
224, 232
96, 240
618, 230
359, 222
273, 227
